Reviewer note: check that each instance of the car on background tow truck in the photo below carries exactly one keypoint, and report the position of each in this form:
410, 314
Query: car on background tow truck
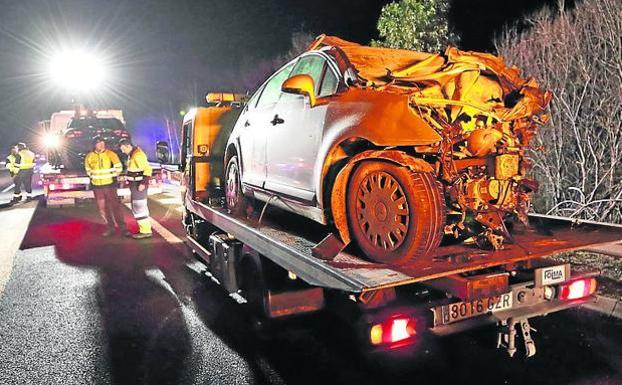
283, 265
67, 138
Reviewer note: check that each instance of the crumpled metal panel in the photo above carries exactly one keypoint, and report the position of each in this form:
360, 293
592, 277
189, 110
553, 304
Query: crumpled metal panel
484, 112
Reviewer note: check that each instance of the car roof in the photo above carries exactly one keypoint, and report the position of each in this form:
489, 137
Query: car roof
373, 63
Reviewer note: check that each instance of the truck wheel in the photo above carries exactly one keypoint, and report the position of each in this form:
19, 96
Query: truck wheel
236, 201
395, 215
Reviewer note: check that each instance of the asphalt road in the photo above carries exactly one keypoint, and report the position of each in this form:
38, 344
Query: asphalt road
80, 309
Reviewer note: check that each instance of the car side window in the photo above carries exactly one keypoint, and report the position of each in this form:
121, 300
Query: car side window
272, 89
329, 83
311, 65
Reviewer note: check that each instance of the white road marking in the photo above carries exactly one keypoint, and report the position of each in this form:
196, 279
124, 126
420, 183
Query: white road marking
168, 236
18, 218
8, 188
169, 201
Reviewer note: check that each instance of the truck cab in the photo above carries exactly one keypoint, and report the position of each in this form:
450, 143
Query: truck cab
205, 131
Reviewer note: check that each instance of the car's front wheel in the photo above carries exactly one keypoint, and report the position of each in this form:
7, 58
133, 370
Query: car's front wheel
236, 201
395, 215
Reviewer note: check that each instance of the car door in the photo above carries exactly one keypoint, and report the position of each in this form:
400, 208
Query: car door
253, 126
296, 131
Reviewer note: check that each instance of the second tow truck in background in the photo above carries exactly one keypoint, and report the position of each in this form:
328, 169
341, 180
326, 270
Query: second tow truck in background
66, 139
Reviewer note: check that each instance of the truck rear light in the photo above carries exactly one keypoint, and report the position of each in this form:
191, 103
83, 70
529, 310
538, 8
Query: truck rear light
52, 187
576, 289
394, 330
73, 134
66, 186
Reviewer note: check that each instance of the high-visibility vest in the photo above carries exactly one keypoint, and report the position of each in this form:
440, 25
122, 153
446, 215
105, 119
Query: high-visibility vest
138, 167
26, 159
11, 164
102, 167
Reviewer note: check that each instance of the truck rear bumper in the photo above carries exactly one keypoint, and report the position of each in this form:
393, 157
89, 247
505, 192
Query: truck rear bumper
537, 310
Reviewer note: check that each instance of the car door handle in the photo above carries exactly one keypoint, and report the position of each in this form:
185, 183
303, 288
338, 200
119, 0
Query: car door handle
247, 123
277, 120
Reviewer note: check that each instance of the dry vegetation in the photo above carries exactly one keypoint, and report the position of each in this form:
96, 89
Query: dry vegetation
577, 54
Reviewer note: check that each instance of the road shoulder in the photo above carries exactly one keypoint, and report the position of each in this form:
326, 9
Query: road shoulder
15, 221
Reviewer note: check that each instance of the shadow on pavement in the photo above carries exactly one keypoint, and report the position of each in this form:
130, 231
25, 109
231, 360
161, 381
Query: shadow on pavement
147, 336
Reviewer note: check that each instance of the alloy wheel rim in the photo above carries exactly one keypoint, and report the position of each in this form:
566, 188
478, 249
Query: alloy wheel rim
232, 186
382, 211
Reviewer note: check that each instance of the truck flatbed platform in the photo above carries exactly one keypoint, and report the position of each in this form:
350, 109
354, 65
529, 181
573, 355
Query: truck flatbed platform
348, 272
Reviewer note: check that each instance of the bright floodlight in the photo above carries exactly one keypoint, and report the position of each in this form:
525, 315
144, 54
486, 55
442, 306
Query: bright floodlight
51, 140
77, 70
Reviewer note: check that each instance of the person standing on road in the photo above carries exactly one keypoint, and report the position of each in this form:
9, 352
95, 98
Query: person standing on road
25, 162
103, 166
138, 174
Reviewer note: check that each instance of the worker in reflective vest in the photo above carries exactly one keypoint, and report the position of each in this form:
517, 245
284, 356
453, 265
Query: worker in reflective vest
25, 163
138, 174
11, 162
103, 166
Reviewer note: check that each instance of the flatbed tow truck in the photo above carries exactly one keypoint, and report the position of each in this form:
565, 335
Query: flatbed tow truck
276, 263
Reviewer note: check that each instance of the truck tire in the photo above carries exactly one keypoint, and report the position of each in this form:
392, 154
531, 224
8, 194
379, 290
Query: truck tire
395, 215
236, 201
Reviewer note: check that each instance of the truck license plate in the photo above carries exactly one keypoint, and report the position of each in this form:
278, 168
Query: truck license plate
461, 310
83, 180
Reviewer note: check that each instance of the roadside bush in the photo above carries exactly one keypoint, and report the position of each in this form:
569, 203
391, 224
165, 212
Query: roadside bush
419, 25
577, 54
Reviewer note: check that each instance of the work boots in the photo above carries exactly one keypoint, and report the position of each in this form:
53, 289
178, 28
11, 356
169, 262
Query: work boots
141, 235
109, 231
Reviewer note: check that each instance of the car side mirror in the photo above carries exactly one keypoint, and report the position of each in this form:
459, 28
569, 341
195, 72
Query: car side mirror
300, 85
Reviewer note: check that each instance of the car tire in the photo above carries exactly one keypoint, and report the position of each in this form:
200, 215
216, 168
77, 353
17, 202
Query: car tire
236, 201
396, 216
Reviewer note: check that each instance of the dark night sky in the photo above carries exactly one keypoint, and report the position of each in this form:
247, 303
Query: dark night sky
166, 54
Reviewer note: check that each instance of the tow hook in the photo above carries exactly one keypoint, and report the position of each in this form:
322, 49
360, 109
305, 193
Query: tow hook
506, 337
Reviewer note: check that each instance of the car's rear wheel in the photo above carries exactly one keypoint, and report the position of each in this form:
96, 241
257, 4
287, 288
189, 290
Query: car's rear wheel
236, 201
395, 215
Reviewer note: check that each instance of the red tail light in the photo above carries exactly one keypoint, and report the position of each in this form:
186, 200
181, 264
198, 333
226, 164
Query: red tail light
74, 134
395, 329
122, 133
579, 288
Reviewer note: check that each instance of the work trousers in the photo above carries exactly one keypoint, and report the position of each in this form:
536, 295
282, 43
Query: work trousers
109, 206
140, 208
23, 179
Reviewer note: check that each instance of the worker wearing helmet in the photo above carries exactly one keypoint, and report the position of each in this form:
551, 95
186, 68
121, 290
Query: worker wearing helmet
103, 167
138, 174
25, 163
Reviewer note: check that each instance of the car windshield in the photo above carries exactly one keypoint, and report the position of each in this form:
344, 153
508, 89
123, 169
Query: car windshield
95, 124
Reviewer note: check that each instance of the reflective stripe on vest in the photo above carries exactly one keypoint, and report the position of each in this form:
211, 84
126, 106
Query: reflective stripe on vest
26, 160
11, 165
138, 167
102, 167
